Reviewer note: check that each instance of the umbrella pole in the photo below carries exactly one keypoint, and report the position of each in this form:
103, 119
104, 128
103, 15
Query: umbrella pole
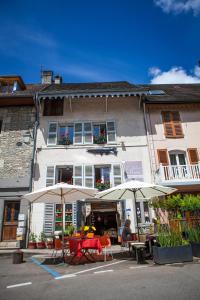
63, 225
134, 193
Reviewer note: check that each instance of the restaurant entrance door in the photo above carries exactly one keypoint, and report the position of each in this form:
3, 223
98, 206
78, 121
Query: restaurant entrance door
106, 219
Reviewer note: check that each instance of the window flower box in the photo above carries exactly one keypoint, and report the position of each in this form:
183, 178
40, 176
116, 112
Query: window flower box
101, 186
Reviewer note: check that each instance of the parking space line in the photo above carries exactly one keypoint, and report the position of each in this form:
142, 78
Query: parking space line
18, 285
50, 271
91, 269
104, 271
139, 267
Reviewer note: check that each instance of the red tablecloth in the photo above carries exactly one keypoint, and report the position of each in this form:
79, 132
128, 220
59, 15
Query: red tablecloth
76, 245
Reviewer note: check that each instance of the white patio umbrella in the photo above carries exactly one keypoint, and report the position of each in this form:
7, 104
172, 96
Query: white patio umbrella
60, 193
135, 190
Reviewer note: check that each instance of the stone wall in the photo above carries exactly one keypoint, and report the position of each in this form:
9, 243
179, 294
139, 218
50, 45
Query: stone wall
16, 143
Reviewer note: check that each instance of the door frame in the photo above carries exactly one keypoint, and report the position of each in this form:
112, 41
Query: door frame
13, 223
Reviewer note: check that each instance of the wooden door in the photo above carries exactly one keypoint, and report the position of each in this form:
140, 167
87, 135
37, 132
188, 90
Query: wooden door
10, 221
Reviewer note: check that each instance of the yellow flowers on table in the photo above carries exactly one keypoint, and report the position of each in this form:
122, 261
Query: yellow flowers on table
89, 228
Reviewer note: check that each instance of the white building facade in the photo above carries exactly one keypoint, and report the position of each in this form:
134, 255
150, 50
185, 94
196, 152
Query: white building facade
91, 135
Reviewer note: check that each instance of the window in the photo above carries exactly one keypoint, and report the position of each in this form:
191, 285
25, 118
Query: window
172, 124
65, 134
81, 133
0, 125
53, 107
52, 134
99, 133
142, 211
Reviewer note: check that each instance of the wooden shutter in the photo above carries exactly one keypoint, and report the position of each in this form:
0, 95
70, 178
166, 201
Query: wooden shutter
163, 157
172, 124
193, 156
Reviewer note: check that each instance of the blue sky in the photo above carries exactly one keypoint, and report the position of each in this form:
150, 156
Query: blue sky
140, 41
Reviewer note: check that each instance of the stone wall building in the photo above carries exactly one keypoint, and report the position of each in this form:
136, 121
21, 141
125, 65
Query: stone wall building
17, 132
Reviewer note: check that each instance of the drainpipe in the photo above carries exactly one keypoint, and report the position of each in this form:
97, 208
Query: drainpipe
36, 124
147, 134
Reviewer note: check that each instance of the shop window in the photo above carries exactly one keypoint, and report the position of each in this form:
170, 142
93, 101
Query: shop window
53, 107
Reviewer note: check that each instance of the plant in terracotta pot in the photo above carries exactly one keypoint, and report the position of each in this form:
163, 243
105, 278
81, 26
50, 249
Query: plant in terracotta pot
41, 241
32, 240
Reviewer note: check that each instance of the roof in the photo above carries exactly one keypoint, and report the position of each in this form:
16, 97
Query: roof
10, 79
30, 90
174, 93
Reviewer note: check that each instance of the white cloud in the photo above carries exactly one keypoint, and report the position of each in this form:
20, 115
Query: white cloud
179, 6
174, 75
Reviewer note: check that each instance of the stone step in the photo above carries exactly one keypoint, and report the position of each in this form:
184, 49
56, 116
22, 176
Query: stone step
9, 244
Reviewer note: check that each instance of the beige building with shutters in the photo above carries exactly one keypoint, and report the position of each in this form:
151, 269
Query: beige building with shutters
173, 125
92, 135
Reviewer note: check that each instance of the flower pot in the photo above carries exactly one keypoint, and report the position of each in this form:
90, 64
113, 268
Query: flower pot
40, 245
169, 255
32, 245
195, 249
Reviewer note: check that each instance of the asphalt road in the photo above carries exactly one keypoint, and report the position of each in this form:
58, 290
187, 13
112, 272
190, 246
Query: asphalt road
113, 280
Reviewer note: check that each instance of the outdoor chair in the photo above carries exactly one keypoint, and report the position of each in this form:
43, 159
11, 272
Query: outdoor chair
106, 245
57, 249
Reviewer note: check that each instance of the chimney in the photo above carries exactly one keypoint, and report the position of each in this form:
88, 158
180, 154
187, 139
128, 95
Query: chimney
58, 79
47, 77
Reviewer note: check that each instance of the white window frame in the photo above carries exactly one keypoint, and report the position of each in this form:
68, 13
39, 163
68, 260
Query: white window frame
89, 177
82, 124
78, 177
50, 178
111, 131
87, 132
52, 133
115, 176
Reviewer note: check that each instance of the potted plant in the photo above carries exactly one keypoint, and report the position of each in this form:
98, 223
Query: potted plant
32, 240
41, 241
69, 230
171, 248
193, 235
101, 186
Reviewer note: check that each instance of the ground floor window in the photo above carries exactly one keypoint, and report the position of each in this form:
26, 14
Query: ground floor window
143, 213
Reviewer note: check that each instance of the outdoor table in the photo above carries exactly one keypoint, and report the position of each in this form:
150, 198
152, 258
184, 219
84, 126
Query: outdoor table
80, 247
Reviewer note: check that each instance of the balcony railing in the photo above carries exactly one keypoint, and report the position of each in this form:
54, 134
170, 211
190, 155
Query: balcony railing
179, 173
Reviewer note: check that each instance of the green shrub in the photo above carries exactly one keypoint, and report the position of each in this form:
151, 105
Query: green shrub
170, 239
32, 237
193, 234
